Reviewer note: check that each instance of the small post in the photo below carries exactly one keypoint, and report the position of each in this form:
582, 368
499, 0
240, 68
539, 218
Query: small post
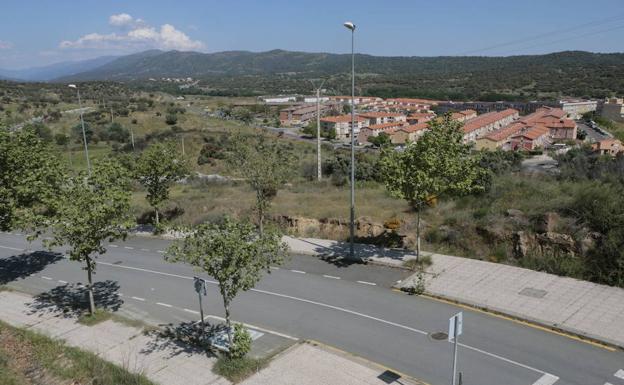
455, 330
132, 138
200, 288
182, 138
454, 352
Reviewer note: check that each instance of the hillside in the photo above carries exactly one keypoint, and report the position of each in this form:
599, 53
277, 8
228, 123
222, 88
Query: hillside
572, 73
53, 71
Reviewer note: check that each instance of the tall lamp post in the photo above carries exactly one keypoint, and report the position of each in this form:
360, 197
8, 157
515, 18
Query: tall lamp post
318, 129
349, 25
84, 135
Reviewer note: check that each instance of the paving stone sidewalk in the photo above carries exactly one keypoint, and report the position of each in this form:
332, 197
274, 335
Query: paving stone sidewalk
163, 362
168, 362
576, 306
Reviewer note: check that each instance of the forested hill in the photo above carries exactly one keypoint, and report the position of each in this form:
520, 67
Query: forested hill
573, 73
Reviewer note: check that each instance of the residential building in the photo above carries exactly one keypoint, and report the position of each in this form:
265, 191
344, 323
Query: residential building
500, 138
464, 115
613, 109
376, 129
358, 100
408, 133
561, 127
380, 117
491, 121
302, 114
280, 99
611, 147
420, 117
531, 138
342, 125
575, 108
312, 99
424, 104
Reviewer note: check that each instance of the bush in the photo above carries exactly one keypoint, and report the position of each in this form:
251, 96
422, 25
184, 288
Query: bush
171, 119
241, 344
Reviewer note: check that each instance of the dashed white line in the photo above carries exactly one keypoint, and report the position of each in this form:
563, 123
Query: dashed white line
274, 268
129, 247
160, 251
190, 311
112, 245
330, 276
145, 250
619, 374
163, 304
11, 248
61, 281
298, 271
138, 299
546, 379
367, 283
608, 383
48, 278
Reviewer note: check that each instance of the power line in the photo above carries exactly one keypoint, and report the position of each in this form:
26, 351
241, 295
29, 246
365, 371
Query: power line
542, 35
565, 39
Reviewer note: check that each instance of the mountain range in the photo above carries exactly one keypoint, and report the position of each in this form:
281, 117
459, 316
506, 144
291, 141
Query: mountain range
568, 73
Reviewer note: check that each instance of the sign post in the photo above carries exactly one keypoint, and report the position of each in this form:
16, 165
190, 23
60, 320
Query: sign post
200, 288
455, 330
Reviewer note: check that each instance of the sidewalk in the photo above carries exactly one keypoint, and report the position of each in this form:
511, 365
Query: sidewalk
579, 307
169, 362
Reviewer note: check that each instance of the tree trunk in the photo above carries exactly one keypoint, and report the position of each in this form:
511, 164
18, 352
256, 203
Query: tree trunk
156, 211
90, 286
261, 221
228, 324
418, 234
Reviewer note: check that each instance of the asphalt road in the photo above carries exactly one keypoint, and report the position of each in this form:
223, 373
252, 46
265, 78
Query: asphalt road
347, 306
592, 134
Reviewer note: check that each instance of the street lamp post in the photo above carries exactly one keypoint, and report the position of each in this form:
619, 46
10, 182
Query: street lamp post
84, 135
349, 25
318, 129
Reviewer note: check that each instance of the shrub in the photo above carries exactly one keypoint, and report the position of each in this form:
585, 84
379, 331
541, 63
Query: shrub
241, 344
171, 119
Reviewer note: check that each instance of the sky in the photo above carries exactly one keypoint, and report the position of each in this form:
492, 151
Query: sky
41, 32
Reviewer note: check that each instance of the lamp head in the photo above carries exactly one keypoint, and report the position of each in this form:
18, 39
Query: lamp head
349, 25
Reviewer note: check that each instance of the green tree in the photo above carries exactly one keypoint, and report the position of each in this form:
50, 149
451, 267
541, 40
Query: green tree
233, 254
30, 178
265, 164
92, 209
382, 140
158, 167
171, 119
61, 139
89, 133
438, 164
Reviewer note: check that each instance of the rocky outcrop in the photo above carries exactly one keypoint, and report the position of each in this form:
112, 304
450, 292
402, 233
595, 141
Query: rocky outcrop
548, 243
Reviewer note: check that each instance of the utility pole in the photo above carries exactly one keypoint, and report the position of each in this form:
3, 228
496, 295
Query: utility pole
182, 138
349, 25
318, 129
84, 135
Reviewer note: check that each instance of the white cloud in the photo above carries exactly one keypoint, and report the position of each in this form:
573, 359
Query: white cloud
5, 45
136, 34
121, 20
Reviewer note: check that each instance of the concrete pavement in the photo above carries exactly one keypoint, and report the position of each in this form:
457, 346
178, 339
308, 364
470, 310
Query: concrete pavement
576, 306
301, 300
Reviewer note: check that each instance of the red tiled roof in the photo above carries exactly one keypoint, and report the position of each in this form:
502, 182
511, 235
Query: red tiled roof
485, 119
380, 114
533, 132
341, 119
414, 127
505, 132
382, 126
412, 100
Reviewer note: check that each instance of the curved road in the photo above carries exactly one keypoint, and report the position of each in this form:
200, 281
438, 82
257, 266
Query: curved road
348, 306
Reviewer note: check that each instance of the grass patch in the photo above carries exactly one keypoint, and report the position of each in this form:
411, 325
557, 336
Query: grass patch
238, 369
94, 319
31, 358
418, 264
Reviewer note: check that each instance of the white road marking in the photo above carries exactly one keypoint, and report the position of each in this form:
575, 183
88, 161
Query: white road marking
145, 250
298, 271
330, 276
113, 245
129, 247
190, 311
608, 383
120, 294
250, 326
619, 374
274, 268
61, 281
48, 278
367, 283
163, 304
546, 379
161, 251
138, 298
11, 248
321, 304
